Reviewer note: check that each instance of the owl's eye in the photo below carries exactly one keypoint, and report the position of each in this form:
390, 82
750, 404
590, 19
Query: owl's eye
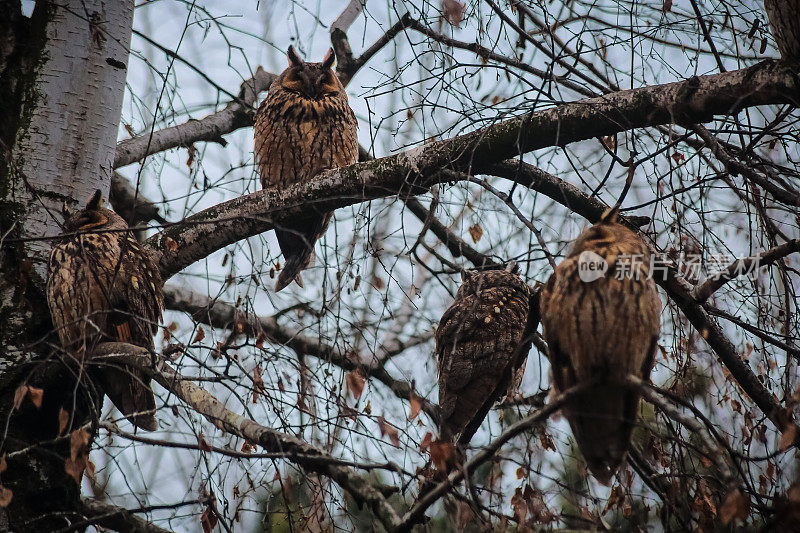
329, 87
292, 82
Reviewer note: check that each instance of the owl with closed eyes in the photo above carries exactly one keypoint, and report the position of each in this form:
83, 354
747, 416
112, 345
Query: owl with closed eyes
304, 126
482, 343
102, 286
601, 325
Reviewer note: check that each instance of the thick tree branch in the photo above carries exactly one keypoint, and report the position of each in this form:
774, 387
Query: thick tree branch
117, 519
133, 207
210, 128
222, 315
299, 452
691, 101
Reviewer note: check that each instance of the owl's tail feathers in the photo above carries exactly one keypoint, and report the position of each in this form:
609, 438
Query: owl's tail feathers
297, 241
129, 390
602, 420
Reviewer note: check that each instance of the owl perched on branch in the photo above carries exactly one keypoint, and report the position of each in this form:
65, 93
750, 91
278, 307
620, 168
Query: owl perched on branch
600, 315
103, 287
482, 343
784, 17
303, 127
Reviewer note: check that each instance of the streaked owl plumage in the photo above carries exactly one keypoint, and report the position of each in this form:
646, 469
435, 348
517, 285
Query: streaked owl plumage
602, 330
103, 286
482, 342
304, 126
784, 18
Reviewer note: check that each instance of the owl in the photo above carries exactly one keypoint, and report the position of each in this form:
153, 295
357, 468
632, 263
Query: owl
103, 286
304, 126
600, 316
784, 17
482, 342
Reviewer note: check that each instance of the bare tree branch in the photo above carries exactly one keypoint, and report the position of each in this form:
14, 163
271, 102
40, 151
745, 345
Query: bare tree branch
417, 512
117, 519
702, 292
299, 452
133, 207
210, 128
412, 172
222, 315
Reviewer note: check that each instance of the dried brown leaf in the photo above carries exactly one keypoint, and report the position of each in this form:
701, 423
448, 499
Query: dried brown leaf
519, 506
355, 380
36, 396
19, 395
415, 403
788, 437
426, 442
735, 507
476, 232
615, 499
388, 430
63, 420
453, 11
200, 335
442, 454
202, 443
208, 519
192, 152
260, 340
258, 384
170, 244
5, 496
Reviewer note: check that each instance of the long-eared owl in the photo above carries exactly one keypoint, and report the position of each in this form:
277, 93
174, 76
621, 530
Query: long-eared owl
482, 343
103, 286
601, 319
304, 126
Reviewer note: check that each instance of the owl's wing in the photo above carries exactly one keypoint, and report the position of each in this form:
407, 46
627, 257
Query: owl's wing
138, 298
76, 299
478, 342
137, 305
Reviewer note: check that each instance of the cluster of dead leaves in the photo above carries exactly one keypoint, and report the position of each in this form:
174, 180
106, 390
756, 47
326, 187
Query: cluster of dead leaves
389, 430
529, 507
355, 381
258, 384
209, 518
79, 443
26, 391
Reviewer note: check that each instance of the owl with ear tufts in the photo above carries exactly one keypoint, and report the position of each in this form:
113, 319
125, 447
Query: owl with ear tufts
304, 126
102, 286
601, 325
482, 343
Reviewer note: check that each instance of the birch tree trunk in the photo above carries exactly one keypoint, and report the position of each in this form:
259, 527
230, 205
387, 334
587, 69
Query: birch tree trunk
63, 79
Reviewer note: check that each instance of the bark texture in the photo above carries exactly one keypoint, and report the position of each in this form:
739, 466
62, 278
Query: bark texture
63, 78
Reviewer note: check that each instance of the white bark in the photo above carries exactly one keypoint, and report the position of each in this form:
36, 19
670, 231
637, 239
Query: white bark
66, 144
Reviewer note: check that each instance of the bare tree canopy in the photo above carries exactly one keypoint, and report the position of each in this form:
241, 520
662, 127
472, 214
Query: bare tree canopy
491, 134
